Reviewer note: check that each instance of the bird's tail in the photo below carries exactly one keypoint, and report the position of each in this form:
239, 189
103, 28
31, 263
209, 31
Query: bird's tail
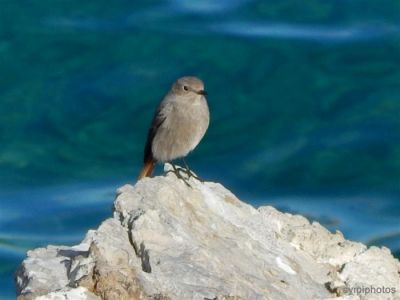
147, 168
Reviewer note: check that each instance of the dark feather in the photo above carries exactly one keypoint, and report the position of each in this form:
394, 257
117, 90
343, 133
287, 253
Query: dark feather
158, 119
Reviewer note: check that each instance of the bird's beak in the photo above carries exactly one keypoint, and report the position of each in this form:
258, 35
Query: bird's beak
202, 92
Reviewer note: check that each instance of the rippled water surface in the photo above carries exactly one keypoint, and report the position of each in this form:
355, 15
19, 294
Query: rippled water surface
304, 97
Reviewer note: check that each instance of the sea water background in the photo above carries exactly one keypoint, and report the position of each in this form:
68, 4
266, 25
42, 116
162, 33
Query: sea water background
304, 97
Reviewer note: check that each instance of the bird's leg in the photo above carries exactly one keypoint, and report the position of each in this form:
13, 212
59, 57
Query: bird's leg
175, 170
178, 175
171, 171
189, 172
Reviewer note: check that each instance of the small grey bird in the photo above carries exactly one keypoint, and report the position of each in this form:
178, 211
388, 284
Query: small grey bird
180, 122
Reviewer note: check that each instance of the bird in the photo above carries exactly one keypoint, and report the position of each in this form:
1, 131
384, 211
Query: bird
179, 124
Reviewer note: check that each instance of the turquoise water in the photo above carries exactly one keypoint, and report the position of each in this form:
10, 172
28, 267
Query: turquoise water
304, 96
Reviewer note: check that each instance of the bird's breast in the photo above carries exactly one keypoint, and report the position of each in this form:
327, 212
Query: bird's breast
183, 128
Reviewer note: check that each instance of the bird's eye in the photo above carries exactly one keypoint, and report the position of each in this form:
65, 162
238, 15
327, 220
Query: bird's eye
185, 88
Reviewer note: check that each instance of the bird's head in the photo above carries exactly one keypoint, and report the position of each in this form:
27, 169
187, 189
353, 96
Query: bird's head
189, 85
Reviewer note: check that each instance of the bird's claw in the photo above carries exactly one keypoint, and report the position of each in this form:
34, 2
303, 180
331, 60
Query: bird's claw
177, 172
191, 174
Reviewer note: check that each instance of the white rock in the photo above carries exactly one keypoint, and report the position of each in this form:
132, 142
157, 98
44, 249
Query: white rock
170, 241
79, 293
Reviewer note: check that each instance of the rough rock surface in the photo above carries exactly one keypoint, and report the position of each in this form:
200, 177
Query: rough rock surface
170, 241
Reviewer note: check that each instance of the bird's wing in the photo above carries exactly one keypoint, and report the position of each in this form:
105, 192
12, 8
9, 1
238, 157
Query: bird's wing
159, 117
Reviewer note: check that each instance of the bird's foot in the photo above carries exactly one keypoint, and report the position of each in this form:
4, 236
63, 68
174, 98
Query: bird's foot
192, 174
185, 180
177, 171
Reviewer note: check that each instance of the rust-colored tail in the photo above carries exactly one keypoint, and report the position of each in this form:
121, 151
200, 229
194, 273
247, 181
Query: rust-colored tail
147, 168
